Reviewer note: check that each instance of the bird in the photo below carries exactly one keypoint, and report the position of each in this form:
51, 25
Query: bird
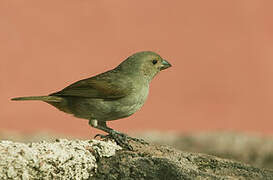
111, 95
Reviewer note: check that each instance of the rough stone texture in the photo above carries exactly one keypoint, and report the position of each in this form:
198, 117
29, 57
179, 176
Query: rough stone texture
252, 149
78, 159
166, 163
61, 159
248, 148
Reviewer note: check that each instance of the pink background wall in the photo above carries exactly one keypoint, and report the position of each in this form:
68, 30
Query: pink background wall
221, 52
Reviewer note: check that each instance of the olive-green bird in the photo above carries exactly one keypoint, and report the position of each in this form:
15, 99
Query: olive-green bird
115, 94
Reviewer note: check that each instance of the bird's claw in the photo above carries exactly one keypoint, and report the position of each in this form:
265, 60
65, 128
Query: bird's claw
121, 139
101, 136
137, 140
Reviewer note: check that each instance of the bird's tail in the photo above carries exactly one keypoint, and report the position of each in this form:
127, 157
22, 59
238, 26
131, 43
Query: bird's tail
39, 98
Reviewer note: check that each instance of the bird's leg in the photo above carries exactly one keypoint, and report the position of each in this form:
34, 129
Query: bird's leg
120, 138
101, 125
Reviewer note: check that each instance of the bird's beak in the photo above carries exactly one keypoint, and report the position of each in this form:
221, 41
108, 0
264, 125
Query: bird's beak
165, 65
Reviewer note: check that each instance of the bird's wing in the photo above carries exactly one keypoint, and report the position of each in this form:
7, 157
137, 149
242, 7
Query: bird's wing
103, 86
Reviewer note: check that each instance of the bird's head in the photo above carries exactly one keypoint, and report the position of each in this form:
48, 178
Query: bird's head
145, 64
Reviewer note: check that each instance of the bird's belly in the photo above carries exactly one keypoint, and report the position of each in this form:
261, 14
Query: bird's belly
122, 111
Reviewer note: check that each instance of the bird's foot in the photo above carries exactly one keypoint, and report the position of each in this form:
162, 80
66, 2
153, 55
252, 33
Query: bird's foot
137, 140
101, 136
121, 139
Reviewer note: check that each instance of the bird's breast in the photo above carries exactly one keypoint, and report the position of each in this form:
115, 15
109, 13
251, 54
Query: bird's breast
131, 103
136, 100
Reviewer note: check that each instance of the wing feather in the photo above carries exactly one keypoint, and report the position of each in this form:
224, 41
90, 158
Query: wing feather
109, 85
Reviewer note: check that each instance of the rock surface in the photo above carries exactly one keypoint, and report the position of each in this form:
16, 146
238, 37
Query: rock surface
61, 159
79, 159
252, 149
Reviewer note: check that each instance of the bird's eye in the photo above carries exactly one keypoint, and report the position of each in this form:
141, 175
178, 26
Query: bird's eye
154, 61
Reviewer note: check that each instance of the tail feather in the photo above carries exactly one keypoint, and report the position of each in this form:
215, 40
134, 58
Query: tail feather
39, 98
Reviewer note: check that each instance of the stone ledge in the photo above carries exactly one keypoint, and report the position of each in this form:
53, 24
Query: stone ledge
94, 159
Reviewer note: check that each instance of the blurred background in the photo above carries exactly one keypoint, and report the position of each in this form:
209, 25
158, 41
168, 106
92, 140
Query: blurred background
221, 52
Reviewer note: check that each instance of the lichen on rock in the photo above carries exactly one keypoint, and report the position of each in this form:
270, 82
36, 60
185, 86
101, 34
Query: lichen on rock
61, 159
